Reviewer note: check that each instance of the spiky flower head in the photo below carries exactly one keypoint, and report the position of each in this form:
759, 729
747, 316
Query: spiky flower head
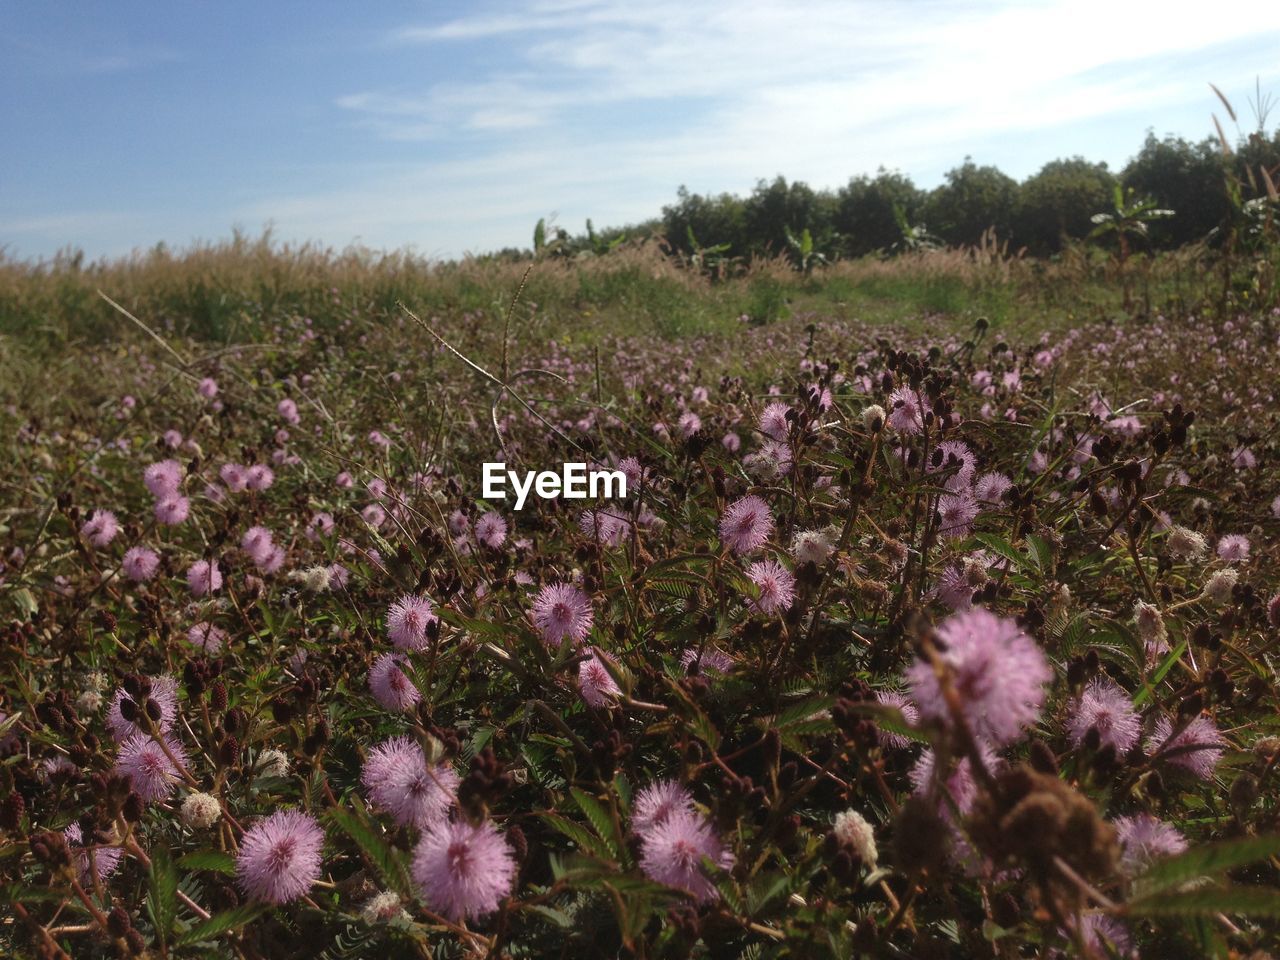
280, 857
148, 767
1144, 838
562, 611
776, 584
746, 524
390, 686
997, 671
464, 870
200, 810
1105, 707
672, 851
400, 781
408, 620
101, 528
1197, 747
656, 802
595, 683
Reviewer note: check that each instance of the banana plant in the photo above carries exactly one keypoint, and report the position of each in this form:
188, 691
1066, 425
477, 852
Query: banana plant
804, 252
1128, 220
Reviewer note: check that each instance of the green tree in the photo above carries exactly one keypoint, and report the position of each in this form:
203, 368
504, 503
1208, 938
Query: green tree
1181, 176
869, 211
973, 200
1058, 204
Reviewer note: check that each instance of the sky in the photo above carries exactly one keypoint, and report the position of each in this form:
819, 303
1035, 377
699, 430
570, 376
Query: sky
451, 128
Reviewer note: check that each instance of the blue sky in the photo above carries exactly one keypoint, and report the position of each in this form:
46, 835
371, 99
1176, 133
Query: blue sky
452, 127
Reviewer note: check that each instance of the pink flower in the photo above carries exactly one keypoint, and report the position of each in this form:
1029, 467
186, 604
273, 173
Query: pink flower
1144, 838
902, 703
257, 543
673, 849
164, 478
906, 410
562, 611
1103, 706
204, 577
776, 584
1234, 548
172, 510
105, 859
101, 528
464, 870
390, 686
280, 857
1196, 748
162, 689
746, 524
288, 411
408, 620
731, 442
773, 421
997, 670
689, 423
656, 802
150, 772
208, 388
172, 439
140, 563
491, 530
399, 781
596, 684
711, 659
233, 476
207, 638
956, 513
259, 477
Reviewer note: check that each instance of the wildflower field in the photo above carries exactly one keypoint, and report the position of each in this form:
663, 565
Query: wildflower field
938, 638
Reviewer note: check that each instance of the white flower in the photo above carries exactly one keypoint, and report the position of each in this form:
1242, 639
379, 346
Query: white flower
200, 810
873, 414
1220, 585
853, 830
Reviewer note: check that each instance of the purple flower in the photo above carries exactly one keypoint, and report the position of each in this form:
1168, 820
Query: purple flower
776, 584
140, 563
101, 528
208, 388
710, 659
204, 577
172, 511
105, 859
207, 638
997, 671
164, 691
1105, 707
148, 768
656, 802
288, 411
464, 870
259, 477
1144, 838
906, 410
491, 530
1234, 548
902, 703
1196, 748
234, 476
399, 781
258, 543
390, 686
595, 683
163, 478
408, 620
774, 423
280, 857
561, 611
956, 513
672, 852
746, 524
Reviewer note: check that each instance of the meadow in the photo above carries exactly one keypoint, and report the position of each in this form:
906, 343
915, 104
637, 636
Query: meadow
939, 620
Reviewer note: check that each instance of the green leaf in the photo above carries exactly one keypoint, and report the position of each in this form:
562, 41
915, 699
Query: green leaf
1209, 901
1166, 665
222, 923
162, 896
580, 835
1206, 861
214, 860
386, 860
599, 817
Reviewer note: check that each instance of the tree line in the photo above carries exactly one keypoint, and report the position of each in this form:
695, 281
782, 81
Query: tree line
888, 213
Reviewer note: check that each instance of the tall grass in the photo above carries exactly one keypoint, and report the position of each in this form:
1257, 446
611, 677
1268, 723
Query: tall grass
237, 289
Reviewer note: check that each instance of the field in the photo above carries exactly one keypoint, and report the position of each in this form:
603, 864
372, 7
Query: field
939, 619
